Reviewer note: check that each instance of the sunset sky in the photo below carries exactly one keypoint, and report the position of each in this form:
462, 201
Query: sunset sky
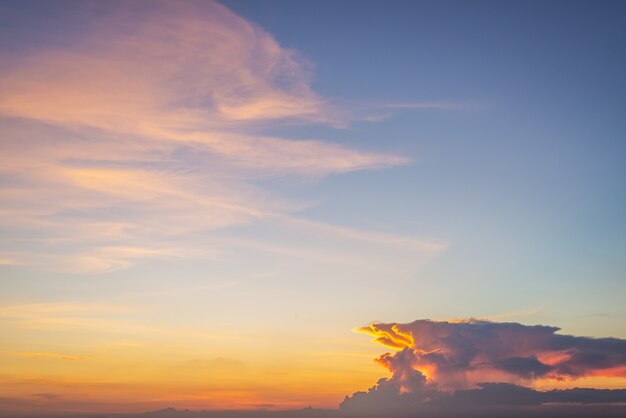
201, 202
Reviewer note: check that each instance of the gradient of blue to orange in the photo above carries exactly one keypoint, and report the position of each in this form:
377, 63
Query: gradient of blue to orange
200, 201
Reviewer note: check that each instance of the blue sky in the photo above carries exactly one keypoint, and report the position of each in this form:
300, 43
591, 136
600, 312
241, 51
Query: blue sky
526, 181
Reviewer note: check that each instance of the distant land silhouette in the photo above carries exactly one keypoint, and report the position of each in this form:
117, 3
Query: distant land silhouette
492, 400
550, 411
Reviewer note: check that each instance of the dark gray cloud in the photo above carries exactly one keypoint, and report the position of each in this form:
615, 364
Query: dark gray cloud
526, 367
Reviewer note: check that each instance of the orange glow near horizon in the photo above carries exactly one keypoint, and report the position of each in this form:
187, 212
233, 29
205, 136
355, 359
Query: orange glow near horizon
100, 358
123, 383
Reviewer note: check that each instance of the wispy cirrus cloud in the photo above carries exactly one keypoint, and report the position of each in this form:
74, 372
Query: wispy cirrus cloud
36, 355
424, 105
26, 310
143, 133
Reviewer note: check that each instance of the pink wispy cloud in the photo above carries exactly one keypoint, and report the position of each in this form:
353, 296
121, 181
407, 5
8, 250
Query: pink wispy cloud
144, 126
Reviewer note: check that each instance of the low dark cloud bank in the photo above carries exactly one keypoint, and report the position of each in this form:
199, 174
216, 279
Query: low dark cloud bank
495, 411
488, 399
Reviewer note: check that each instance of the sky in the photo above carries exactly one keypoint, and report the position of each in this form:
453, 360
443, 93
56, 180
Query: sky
202, 201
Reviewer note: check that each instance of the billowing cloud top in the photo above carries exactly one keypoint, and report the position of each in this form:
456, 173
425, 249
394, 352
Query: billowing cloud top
462, 354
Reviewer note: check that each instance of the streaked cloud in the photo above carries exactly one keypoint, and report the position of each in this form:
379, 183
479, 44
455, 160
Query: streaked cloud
47, 355
48, 309
146, 131
424, 105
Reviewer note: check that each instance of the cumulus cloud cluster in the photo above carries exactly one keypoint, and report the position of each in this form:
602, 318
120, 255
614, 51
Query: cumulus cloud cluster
476, 362
461, 354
